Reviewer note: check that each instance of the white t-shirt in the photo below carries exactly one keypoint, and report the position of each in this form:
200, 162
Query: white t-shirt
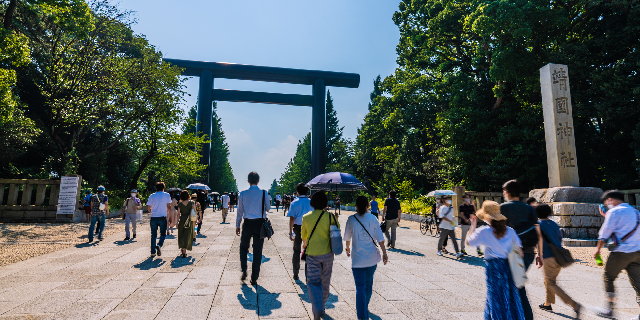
363, 252
278, 197
494, 247
446, 212
158, 202
225, 201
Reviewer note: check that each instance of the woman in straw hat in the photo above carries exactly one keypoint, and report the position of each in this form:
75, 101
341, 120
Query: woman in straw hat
503, 300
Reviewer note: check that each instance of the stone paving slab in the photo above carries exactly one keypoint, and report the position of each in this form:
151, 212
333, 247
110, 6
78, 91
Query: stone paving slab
117, 280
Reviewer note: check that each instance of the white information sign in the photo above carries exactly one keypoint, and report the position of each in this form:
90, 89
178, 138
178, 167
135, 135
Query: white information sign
67, 200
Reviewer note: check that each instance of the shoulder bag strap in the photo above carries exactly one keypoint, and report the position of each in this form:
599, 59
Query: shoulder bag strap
632, 231
314, 228
365, 229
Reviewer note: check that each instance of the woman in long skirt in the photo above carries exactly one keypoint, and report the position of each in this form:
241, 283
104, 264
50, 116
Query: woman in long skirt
185, 229
173, 216
503, 300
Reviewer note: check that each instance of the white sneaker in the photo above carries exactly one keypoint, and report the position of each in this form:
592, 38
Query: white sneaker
636, 318
458, 255
153, 254
440, 253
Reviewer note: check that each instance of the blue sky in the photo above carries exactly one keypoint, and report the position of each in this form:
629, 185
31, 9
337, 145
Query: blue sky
355, 36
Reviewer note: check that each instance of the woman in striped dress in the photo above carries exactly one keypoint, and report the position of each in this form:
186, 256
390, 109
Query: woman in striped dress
503, 300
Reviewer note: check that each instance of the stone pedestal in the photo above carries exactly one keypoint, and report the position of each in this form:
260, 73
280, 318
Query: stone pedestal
575, 210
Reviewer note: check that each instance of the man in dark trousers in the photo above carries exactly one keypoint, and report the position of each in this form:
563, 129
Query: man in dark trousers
202, 199
523, 219
253, 206
299, 207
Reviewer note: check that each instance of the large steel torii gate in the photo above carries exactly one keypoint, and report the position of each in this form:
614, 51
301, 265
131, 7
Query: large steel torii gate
207, 71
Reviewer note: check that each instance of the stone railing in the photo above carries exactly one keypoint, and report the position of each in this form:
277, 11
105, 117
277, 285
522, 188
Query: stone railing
24, 200
480, 197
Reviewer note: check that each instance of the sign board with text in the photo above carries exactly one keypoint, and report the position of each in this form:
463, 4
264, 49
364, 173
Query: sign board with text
68, 197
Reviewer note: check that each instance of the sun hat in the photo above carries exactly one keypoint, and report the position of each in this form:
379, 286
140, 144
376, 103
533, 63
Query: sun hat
490, 211
134, 190
194, 196
100, 188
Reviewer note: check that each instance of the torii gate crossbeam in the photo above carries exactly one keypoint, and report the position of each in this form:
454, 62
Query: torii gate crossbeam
207, 71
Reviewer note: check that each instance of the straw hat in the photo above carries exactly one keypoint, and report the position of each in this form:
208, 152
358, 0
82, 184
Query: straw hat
490, 211
194, 196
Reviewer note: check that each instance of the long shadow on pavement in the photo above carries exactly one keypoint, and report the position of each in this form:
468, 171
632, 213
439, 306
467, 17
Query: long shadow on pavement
249, 298
269, 302
407, 252
149, 264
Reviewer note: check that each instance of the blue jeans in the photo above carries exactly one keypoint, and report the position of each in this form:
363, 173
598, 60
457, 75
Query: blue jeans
526, 306
364, 289
155, 223
92, 227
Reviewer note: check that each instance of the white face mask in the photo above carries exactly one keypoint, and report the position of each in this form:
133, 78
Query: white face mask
610, 206
133, 195
467, 200
448, 201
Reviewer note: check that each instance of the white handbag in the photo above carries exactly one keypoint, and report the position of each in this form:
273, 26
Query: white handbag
139, 214
194, 215
516, 264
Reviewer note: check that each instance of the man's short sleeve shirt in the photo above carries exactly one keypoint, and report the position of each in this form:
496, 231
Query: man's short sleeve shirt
158, 202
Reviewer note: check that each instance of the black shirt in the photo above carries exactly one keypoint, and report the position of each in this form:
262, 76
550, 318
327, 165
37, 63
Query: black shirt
393, 206
520, 216
467, 210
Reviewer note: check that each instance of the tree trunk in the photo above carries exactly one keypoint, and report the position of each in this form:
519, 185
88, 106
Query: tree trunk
143, 165
8, 16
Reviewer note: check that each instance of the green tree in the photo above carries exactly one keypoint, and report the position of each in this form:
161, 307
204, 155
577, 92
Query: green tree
333, 132
220, 172
299, 168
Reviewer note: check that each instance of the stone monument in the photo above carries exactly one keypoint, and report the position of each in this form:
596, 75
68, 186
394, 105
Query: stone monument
575, 208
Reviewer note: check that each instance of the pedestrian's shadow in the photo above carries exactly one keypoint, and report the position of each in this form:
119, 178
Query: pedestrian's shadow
120, 243
87, 244
267, 301
149, 264
470, 260
304, 296
200, 236
249, 298
407, 252
250, 258
181, 262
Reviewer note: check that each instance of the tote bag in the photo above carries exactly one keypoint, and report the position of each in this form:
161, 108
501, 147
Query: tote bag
516, 264
335, 236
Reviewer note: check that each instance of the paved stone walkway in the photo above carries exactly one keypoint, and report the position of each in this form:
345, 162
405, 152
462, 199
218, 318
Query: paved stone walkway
112, 280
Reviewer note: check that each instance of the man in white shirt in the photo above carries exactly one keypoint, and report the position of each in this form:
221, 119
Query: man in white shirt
253, 205
621, 224
158, 205
299, 207
278, 201
225, 206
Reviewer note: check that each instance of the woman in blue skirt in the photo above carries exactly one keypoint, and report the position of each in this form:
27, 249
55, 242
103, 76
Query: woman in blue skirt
503, 300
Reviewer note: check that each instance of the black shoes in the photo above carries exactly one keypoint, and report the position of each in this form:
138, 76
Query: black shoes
254, 282
126, 239
577, 311
295, 277
158, 251
134, 236
545, 308
244, 276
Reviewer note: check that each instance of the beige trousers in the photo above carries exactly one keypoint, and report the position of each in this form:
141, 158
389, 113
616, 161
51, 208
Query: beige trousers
551, 271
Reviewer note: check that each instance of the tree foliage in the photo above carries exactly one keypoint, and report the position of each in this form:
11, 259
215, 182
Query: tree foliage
467, 91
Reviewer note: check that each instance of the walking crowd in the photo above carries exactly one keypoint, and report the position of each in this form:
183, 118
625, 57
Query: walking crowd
514, 234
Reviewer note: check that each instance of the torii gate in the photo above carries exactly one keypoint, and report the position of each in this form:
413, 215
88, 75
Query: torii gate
207, 71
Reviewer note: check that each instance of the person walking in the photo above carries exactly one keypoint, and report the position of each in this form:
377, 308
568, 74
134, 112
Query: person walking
202, 201
337, 204
159, 204
225, 206
200, 211
173, 217
196, 204
253, 206
233, 200
467, 208
503, 300
316, 242
363, 231
621, 224
87, 205
522, 218
286, 203
129, 209
447, 228
299, 207
392, 214
185, 229
374, 206
278, 200
551, 234
98, 214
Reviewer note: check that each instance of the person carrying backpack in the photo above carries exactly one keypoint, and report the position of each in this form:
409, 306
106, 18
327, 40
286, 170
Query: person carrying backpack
99, 206
523, 219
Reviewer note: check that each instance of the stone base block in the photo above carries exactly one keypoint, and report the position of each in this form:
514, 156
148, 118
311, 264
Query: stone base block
578, 221
575, 209
567, 194
580, 233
